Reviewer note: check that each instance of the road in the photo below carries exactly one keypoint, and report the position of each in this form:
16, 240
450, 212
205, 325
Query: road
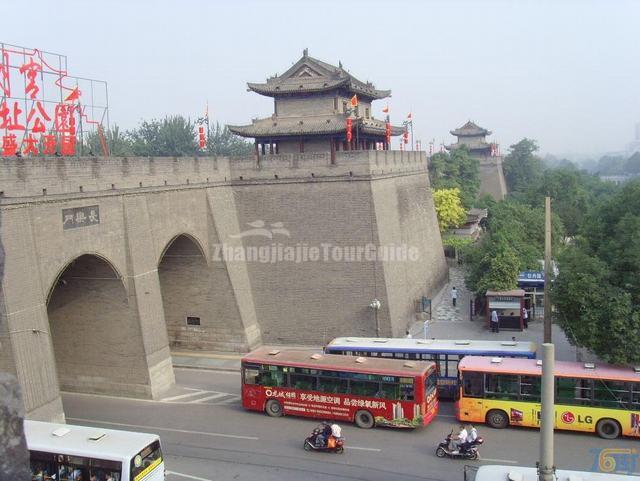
207, 435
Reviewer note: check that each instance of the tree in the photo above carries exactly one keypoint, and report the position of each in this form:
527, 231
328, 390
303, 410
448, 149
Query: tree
597, 293
449, 208
632, 165
456, 170
521, 166
118, 143
222, 142
174, 136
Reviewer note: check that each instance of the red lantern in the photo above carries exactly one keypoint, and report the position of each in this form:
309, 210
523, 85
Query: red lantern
202, 140
387, 131
349, 134
405, 136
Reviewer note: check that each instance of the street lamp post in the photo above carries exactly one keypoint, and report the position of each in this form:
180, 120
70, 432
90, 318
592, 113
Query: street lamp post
375, 305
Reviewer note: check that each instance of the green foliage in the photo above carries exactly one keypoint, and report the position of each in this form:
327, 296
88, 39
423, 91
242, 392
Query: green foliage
222, 142
449, 208
597, 293
514, 241
173, 136
456, 242
632, 165
117, 142
456, 169
521, 166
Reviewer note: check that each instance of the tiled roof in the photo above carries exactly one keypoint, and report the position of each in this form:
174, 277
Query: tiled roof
470, 130
312, 75
324, 124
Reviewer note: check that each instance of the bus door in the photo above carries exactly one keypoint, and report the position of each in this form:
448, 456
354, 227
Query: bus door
472, 402
530, 390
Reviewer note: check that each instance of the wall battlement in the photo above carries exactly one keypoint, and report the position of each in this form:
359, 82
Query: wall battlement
38, 176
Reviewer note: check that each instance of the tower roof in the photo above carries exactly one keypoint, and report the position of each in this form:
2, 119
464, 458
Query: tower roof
311, 75
470, 129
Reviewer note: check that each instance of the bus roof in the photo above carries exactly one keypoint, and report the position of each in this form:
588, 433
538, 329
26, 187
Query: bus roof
317, 360
501, 473
562, 368
93, 442
453, 346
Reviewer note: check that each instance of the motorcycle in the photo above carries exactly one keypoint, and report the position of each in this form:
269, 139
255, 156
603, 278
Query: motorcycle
470, 452
331, 445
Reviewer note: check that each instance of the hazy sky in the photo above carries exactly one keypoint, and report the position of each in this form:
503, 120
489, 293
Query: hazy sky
566, 73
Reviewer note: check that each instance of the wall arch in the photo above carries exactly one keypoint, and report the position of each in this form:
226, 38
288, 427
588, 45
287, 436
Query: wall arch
95, 330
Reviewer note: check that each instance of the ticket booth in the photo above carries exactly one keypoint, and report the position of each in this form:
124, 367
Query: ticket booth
508, 305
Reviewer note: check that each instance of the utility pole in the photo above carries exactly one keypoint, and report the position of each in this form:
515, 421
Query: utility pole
546, 469
547, 269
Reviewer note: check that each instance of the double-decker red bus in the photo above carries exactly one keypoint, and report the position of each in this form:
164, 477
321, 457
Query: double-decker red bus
364, 390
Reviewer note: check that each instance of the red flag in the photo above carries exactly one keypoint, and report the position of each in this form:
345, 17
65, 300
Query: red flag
409, 116
354, 101
386, 109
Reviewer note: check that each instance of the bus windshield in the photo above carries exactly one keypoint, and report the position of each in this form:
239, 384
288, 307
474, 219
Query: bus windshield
145, 461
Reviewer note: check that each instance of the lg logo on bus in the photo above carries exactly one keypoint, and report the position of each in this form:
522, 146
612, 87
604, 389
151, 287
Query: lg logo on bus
568, 418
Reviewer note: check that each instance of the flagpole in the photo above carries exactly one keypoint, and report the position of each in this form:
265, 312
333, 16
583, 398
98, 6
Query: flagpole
411, 124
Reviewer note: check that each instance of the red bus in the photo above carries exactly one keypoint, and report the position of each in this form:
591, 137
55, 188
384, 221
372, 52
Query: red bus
367, 391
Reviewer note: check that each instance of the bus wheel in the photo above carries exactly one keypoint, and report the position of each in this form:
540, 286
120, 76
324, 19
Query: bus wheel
273, 408
364, 419
497, 419
608, 429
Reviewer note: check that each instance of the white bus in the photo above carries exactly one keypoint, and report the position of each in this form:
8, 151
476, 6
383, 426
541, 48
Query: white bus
513, 473
62, 452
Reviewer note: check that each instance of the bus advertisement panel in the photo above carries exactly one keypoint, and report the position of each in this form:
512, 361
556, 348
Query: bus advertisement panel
446, 353
369, 392
62, 452
593, 398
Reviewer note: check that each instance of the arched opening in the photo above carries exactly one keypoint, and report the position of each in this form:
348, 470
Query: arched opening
199, 304
95, 330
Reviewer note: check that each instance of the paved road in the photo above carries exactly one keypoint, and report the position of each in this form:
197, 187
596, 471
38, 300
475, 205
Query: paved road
208, 436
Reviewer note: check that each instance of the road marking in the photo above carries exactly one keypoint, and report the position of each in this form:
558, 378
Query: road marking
182, 475
446, 416
158, 428
210, 371
499, 461
209, 398
182, 396
363, 449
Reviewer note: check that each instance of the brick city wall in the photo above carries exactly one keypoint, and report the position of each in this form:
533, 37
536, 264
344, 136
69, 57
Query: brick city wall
187, 208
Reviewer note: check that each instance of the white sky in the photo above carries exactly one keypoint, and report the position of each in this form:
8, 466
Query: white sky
566, 73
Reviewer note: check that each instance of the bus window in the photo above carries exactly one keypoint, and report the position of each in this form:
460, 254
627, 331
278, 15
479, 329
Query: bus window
613, 394
473, 384
573, 391
389, 391
251, 374
332, 385
273, 377
364, 388
103, 470
502, 386
42, 470
452, 365
407, 390
635, 395
143, 462
302, 381
530, 388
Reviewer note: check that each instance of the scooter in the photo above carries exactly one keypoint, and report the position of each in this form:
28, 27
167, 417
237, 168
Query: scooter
332, 444
469, 453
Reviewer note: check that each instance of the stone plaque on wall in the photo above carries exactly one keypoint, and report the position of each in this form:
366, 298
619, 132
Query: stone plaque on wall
80, 217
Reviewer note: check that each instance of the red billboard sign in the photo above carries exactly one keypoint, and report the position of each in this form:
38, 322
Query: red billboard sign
43, 109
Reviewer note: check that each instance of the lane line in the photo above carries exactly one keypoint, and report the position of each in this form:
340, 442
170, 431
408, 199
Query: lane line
347, 448
158, 428
446, 416
182, 396
499, 461
209, 398
234, 399
189, 476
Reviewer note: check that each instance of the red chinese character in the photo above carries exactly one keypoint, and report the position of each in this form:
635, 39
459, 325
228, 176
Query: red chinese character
30, 143
31, 70
65, 121
9, 145
49, 144
38, 126
68, 145
9, 122
5, 84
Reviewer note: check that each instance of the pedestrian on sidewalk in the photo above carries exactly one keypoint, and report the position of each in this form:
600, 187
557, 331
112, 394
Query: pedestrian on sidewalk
408, 334
454, 295
495, 322
525, 317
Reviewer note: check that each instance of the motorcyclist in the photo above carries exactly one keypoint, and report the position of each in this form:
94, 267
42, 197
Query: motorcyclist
324, 434
336, 431
472, 435
457, 442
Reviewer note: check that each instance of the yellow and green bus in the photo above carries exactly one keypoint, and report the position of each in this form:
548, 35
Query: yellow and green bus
505, 392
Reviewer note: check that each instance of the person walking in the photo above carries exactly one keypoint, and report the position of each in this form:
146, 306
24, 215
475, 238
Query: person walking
525, 317
454, 295
495, 322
